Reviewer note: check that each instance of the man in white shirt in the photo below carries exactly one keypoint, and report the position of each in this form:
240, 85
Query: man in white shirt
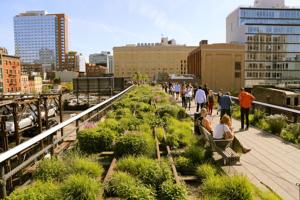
200, 98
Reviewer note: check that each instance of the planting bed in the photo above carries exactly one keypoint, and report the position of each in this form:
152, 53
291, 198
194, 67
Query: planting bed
144, 149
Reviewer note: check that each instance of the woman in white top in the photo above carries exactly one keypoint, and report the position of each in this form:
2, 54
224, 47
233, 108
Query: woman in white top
224, 131
188, 96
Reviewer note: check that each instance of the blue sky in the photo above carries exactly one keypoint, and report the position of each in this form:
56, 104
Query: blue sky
97, 25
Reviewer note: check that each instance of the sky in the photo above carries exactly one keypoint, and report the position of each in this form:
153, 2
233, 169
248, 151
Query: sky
99, 25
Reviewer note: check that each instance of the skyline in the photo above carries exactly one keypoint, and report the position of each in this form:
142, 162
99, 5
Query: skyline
97, 26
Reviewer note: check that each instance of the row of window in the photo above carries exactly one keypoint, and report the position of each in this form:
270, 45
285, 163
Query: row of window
269, 21
259, 13
274, 29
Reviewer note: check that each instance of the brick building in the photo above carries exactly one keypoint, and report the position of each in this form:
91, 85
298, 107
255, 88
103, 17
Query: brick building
93, 70
10, 72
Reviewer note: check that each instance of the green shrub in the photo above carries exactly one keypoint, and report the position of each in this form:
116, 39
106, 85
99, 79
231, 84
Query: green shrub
276, 123
112, 124
205, 171
124, 186
37, 191
197, 155
160, 134
80, 187
171, 191
291, 133
228, 188
265, 195
149, 171
135, 144
184, 165
263, 124
51, 170
236, 113
122, 113
167, 110
96, 140
85, 166
179, 133
258, 115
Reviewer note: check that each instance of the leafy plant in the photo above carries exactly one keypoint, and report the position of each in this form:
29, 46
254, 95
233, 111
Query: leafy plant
258, 115
134, 144
52, 169
228, 188
149, 171
184, 165
80, 187
125, 186
96, 140
197, 154
291, 133
37, 191
85, 166
205, 171
171, 191
276, 123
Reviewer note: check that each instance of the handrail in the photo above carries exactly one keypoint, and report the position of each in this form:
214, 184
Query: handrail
18, 149
272, 106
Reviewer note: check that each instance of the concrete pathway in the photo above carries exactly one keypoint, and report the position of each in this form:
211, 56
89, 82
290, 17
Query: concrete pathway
271, 162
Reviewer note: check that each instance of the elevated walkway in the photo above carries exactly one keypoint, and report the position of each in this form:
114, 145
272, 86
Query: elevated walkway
272, 162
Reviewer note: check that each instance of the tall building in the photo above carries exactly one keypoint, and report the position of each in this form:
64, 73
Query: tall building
151, 59
75, 62
104, 59
220, 66
41, 38
271, 34
10, 73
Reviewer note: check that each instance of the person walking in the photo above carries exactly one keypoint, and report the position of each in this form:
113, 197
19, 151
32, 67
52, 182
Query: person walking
182, 94
188, 96
210, 98
200, 98
246, 100
225, 103
177, 90
220, 93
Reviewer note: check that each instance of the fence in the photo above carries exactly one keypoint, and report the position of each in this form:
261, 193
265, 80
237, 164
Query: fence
8, 170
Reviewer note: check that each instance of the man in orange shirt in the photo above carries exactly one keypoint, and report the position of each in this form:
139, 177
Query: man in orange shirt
245, 102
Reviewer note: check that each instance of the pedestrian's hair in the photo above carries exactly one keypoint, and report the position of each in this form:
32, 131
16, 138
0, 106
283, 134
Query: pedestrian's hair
199, 87
225, 120
203, 111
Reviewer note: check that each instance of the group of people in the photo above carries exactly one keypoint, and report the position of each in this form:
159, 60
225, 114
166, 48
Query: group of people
224, 129
205, 99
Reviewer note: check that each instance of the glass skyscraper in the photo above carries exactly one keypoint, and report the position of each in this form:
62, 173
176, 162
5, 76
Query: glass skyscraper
40, 38
271, 34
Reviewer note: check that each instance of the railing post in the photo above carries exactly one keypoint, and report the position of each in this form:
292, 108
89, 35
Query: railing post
77, 126
60, 113
3, 181
295, 115
298, 184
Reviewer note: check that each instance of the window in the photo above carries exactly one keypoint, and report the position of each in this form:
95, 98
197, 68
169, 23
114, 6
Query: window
296, 101
288, 101
237, 74
237, 66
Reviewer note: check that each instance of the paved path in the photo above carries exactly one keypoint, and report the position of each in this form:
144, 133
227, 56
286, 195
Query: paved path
271, 162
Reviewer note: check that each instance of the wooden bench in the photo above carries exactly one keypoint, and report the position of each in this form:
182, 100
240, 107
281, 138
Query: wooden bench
229, 156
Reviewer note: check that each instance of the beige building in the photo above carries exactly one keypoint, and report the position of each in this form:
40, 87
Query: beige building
25, 84
38, 84
151, 59
220, 66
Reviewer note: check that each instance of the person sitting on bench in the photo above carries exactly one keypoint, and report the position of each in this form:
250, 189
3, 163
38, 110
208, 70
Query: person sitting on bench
203, 121
224, 130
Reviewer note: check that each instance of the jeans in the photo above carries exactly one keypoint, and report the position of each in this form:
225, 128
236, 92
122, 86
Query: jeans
200, 105
188, 102
244, 113
225, 111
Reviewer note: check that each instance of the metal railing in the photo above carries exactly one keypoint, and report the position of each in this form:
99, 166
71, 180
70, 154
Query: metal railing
295, 113
7, 173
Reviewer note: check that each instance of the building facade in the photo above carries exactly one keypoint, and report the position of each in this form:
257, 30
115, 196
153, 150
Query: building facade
271, 34
75, 62
30, 68
220, 66
25, 84
104, 59
41, 38
151, 59
95, 70
11, 73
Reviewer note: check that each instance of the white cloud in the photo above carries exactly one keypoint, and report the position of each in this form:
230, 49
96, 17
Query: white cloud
158, 17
